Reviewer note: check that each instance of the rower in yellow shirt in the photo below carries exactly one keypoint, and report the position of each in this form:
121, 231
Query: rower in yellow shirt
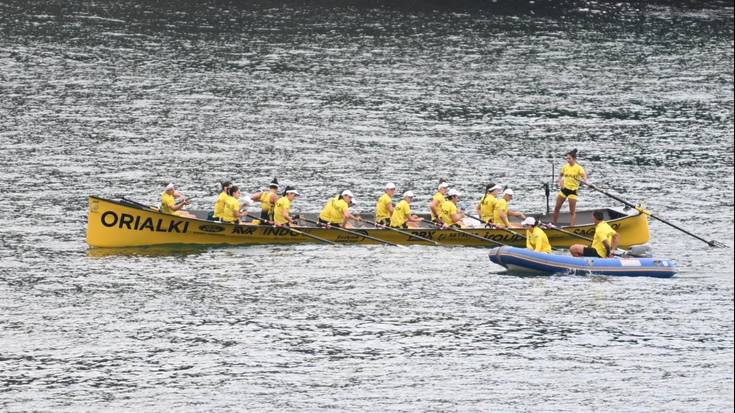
604, 242
384, 208
437, 200
402, 216
450, 215
336, 211
170, 205
232, 211
282, 210
503, 212
571, 175
267, 200
219, 205
486, 208
536, 239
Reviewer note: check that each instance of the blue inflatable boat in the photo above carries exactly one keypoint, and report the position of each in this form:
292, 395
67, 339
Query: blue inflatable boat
527, 261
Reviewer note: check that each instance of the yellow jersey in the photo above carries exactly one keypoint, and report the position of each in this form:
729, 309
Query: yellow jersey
334, 211
168, 202
448, 208
603, 232
219, 205
283, 207
487, 208
437, 197
400, 214
500, 206
381, 208
536, 240
232, 205
266, 203
572, 176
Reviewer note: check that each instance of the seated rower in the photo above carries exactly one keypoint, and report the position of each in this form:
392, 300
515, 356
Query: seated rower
170, 205
604, 243
450, 215
219, 205
437, 200
267, 201
536, 239
486, 208
384, 208
336, 212
282, 209
502, 211
232, 211
402, 216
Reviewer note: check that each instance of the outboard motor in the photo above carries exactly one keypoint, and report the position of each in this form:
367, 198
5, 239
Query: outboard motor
639, 251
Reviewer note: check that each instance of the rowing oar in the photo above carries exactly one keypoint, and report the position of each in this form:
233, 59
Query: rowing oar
711, 243
469, 234
294, 231
401, 232
318, 224
497, 227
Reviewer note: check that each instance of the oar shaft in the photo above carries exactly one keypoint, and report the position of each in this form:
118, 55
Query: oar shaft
401, 232
497, 227
353, 233
295, 231
711, 243
471, 235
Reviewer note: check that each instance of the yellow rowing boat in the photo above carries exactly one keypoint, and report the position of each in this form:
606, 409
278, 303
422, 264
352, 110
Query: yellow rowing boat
124, 223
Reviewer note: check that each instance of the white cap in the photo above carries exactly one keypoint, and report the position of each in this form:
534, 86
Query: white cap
347, 193
444, 185
453, 192
508, 192
170, 186
494, 188
390, 185
293, 191
529, 221
408, 193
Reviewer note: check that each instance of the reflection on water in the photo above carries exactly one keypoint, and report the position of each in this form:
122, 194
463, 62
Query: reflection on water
152, 251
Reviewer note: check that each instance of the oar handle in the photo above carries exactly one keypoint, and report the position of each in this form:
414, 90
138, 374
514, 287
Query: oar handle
401, 232
319, 224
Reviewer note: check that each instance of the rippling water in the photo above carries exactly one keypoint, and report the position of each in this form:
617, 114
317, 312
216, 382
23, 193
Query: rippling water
113, 98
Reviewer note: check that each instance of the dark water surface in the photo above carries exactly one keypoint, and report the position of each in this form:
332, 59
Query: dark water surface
113, 98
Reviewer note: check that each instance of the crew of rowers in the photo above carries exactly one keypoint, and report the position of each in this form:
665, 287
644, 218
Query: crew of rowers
493, 210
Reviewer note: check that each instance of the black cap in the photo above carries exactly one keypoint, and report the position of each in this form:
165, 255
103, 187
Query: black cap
274, 183
225, 184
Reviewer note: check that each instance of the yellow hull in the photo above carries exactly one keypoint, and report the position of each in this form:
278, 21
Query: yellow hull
115, 225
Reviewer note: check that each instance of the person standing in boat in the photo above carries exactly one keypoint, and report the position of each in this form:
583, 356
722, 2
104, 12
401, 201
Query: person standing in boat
267, 200
437, 200
402, 217
173, 202
536, 239
384, 208
232, 211
450, 215
502, 210
571, 175
486, 208
604, 243
282, 210
219, 204
336, 212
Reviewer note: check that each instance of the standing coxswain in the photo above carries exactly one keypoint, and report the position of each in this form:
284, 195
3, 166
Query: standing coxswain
437, 200
282, 209
450, 215
267, 200
503, 212
571, 175
402, 216
336, 211
173, 202
384, 208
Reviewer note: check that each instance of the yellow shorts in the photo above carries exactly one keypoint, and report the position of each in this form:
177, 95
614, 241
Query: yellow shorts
568, 193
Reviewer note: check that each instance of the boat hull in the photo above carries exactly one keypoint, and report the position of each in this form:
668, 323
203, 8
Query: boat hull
122, 224
527, 261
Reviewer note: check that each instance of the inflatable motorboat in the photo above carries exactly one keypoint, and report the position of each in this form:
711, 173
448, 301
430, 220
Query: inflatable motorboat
527, 261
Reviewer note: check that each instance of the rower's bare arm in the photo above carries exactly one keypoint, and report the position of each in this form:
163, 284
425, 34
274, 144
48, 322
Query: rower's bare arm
255, 197
615, 243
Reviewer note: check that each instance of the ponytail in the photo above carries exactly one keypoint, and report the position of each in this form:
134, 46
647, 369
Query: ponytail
232, 190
